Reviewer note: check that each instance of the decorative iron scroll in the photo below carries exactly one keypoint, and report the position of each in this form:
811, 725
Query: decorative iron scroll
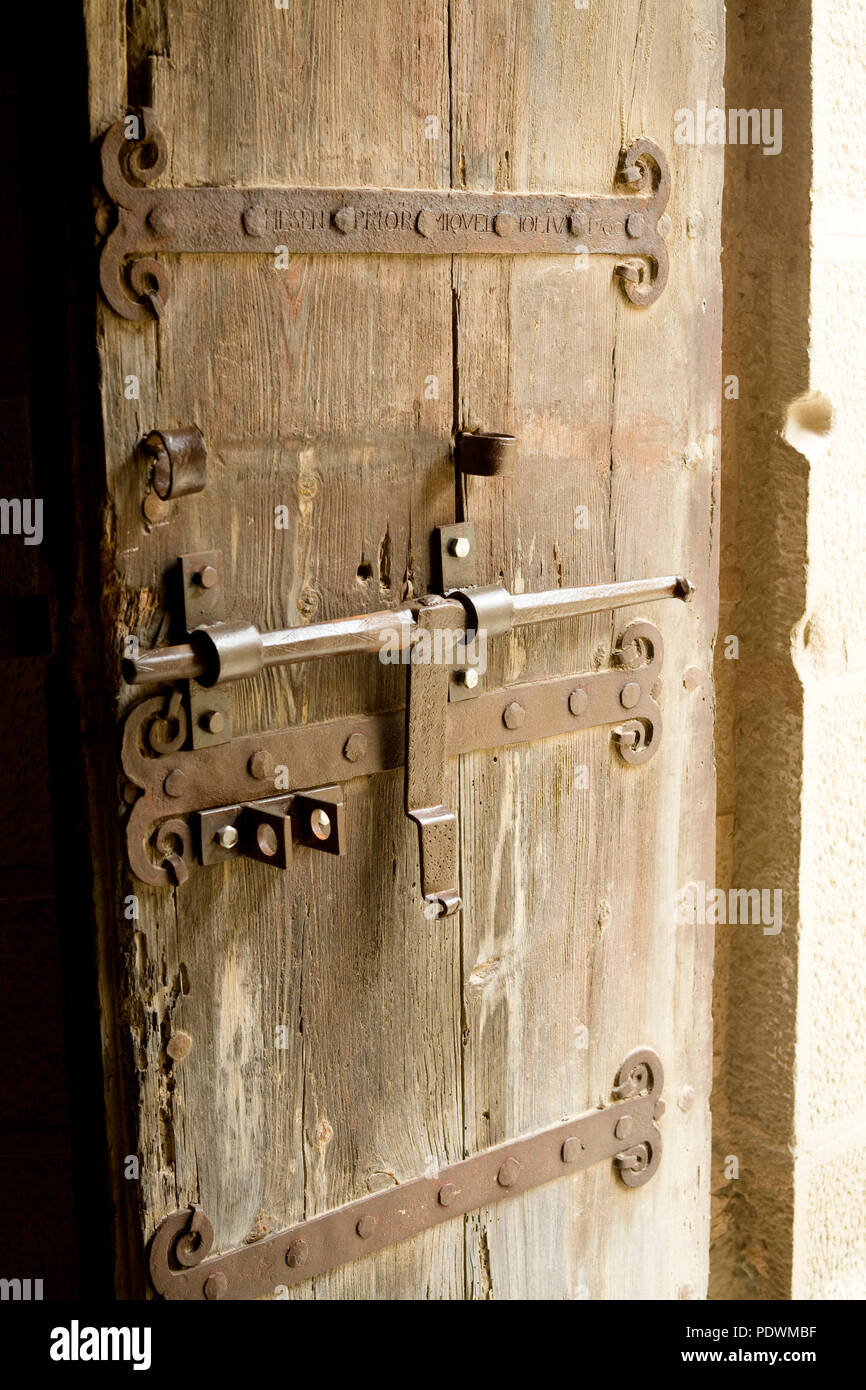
152, 222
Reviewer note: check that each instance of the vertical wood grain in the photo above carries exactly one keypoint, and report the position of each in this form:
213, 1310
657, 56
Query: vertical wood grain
411, 1044
571, 955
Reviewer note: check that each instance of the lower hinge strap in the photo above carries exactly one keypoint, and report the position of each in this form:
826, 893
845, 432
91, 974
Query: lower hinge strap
624, 1131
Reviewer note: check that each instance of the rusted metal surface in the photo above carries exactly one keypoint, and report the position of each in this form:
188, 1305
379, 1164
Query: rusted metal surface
265, 830
624, 1131
201, 587
176, 781
489, 609
210, 714
153, 222
455, 553
375, 632
427, 757
199, 575
486, 454
179, 461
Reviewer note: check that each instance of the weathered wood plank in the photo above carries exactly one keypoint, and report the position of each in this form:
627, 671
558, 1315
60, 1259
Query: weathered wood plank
310, 390
570, 951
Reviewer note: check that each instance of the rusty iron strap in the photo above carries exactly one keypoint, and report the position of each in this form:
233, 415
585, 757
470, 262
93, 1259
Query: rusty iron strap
624, 1131
175, 781
152, 221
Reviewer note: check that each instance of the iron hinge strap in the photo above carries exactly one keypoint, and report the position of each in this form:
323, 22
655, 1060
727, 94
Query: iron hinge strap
151, 221
624, 1130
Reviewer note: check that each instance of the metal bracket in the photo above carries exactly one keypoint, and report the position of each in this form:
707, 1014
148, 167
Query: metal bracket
203, 599
153, 221
455, 553
265, 830
456, 568
625, 1131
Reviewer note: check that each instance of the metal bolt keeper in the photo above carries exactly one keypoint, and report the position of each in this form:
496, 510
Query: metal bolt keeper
230, 650
485, 453
179, 461
489, 607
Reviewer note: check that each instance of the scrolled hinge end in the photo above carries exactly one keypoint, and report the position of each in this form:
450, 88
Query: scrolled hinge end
438, 905
180, 1242
641, 1074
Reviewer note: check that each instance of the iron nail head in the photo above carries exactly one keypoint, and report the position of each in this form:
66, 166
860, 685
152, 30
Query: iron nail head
261, 765
508, 1173
354, 748
634, 224
297, 1254
207, 577
215, 1286
179, 1046
155, 509
513, 715
571, 1150
578, 701
175, 782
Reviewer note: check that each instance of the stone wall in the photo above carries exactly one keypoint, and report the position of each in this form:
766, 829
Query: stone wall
790, 1094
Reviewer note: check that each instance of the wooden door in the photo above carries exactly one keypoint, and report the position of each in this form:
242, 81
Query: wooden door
340, 1042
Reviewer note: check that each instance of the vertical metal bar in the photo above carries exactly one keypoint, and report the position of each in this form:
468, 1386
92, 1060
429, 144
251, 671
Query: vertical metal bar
439, 622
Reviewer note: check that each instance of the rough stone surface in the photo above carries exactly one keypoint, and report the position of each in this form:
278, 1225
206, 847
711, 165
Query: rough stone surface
790, 1009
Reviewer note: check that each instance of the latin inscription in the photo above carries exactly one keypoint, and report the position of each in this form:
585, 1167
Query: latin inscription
427, 222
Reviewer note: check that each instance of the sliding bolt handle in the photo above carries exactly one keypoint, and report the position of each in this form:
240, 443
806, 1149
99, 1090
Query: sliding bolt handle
433, 633
368, 632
